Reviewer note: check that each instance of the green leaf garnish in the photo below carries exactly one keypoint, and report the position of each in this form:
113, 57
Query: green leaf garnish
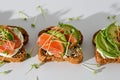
95, 71
35, 66
74, 18
108, 17
77, 18
28, 56
6, 35
23, 15
33, 25
112, 18
25, 19
40, 9
66, 32
6, 72
29, 53
90, 69
70, 19
97, 65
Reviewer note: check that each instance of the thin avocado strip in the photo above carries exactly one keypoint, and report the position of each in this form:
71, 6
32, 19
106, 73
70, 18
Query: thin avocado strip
58, 35
112, 33
71, 29
103, 47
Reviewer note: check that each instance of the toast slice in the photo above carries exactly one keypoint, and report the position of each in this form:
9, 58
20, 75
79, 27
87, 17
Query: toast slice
99, 58
21, 54
75, 58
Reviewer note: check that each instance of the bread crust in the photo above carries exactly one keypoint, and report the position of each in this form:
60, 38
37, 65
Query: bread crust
21, 55
99, 58
102, 61
24, 33
45, 57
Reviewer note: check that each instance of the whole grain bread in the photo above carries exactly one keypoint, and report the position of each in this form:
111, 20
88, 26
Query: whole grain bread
21, 54
45, 57
99, 58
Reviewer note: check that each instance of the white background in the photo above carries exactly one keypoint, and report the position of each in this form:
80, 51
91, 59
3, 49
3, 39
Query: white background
93, 16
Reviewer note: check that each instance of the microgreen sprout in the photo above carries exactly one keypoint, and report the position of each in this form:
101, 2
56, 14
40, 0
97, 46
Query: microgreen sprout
5, 34
40, 9
35, 66
108, 17
95, 71
90, 69
70, 19
33, 24
30, 52
68, 44
97, 65
74, 18
6, 72
77, 18
28, 55
23, 15
112, 18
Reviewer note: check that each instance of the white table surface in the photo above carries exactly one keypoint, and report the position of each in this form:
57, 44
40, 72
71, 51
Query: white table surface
93, 16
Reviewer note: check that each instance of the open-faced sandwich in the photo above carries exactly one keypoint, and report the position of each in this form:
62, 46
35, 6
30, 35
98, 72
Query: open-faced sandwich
107, 43
60, 43
12, 41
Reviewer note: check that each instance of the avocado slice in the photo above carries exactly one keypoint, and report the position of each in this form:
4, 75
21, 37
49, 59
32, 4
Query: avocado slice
112, 34
70, 29
104, 46
58, 35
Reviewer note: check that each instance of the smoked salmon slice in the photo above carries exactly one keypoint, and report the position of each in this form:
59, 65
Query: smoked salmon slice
16, 40
9, 46
49, 43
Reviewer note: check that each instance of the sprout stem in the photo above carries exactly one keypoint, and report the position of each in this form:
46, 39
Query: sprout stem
23, 15
89, 68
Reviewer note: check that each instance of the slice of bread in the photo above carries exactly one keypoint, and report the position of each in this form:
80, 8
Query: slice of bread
45, 57
99, 58
21, 54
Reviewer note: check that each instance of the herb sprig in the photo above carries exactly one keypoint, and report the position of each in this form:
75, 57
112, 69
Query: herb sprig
33, 24
94, 70
40, 9
6, 72
90, 69
5, 34
112, 18
74, 18
35, 66
29, 53
97, 65
23, 15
